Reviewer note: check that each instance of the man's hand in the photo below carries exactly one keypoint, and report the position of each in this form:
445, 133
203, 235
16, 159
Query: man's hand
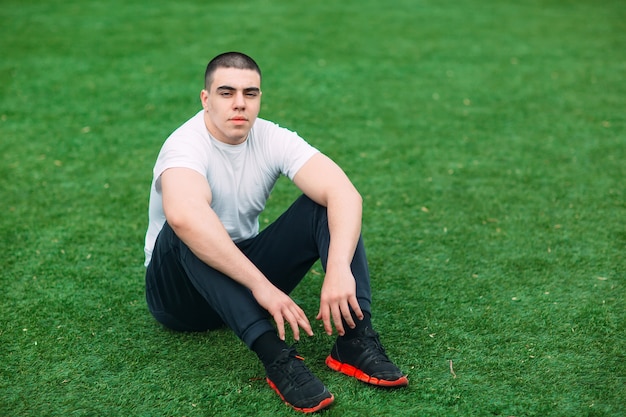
325, 183
187, 205
338, 295
283, 309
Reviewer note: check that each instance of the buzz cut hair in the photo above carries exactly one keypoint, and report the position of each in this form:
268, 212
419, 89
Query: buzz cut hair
229, 60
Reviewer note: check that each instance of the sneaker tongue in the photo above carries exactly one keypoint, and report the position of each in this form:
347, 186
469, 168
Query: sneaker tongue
300, 373
369, 332
372, 345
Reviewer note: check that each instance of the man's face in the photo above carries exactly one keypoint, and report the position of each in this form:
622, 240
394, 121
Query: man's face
232, 104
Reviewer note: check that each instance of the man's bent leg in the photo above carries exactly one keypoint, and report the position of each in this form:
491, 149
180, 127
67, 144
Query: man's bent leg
171, 297
296, 240
179, 284
177, 279
286, 249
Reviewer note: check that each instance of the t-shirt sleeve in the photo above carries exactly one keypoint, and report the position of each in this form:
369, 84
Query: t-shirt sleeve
180, 152
289, 150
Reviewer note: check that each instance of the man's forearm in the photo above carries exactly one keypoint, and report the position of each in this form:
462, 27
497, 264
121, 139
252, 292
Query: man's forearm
207, 238
344, 223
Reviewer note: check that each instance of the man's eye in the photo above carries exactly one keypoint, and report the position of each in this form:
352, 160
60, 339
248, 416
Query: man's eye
226, 94
252, 94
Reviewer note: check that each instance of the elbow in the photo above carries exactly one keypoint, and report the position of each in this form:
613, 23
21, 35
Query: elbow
356, 195
176, 219
358, 199
350, 196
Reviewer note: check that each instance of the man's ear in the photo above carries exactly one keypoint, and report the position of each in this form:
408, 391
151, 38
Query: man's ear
204, 96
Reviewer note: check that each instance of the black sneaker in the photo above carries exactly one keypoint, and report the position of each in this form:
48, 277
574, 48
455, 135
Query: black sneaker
296, 385
364, 358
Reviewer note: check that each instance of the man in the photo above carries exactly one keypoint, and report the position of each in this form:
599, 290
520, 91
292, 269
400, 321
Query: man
208, 265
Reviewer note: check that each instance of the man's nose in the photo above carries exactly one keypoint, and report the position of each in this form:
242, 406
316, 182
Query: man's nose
240, 101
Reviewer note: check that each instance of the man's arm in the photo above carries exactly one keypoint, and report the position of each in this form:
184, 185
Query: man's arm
324, 182
187, 206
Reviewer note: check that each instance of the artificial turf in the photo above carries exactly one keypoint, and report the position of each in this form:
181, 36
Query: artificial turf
488, 141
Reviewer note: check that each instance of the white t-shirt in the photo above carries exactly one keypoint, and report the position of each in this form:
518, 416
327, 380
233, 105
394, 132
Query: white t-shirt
241, 176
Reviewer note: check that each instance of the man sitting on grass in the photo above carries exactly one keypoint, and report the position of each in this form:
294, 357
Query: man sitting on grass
208, 265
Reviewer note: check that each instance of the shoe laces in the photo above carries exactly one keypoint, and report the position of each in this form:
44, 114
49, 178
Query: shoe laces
292, 366
372, 346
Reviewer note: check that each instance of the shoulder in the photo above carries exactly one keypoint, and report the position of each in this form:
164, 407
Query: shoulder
191, 134
280, 147
192, 127
188, 146
268, 131
266, 127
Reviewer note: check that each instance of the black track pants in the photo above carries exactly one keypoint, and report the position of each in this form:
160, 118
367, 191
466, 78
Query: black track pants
185, 294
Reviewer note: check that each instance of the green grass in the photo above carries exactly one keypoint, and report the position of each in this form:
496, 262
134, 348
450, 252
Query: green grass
487, 138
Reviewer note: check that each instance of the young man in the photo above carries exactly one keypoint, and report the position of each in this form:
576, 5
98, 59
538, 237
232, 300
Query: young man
208, 265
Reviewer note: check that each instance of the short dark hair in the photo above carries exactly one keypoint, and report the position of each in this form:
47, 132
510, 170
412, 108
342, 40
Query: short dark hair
229, 60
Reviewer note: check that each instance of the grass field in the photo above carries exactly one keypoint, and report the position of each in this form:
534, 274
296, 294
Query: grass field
488, 139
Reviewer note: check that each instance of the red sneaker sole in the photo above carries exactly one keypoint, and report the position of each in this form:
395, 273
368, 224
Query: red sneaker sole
350, 370
323, 404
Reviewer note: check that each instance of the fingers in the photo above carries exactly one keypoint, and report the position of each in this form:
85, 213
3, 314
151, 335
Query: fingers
356, 308
296, 318
324, 315
280, 326
337, 312
338, 302
347, 315
294, 322
305, 325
